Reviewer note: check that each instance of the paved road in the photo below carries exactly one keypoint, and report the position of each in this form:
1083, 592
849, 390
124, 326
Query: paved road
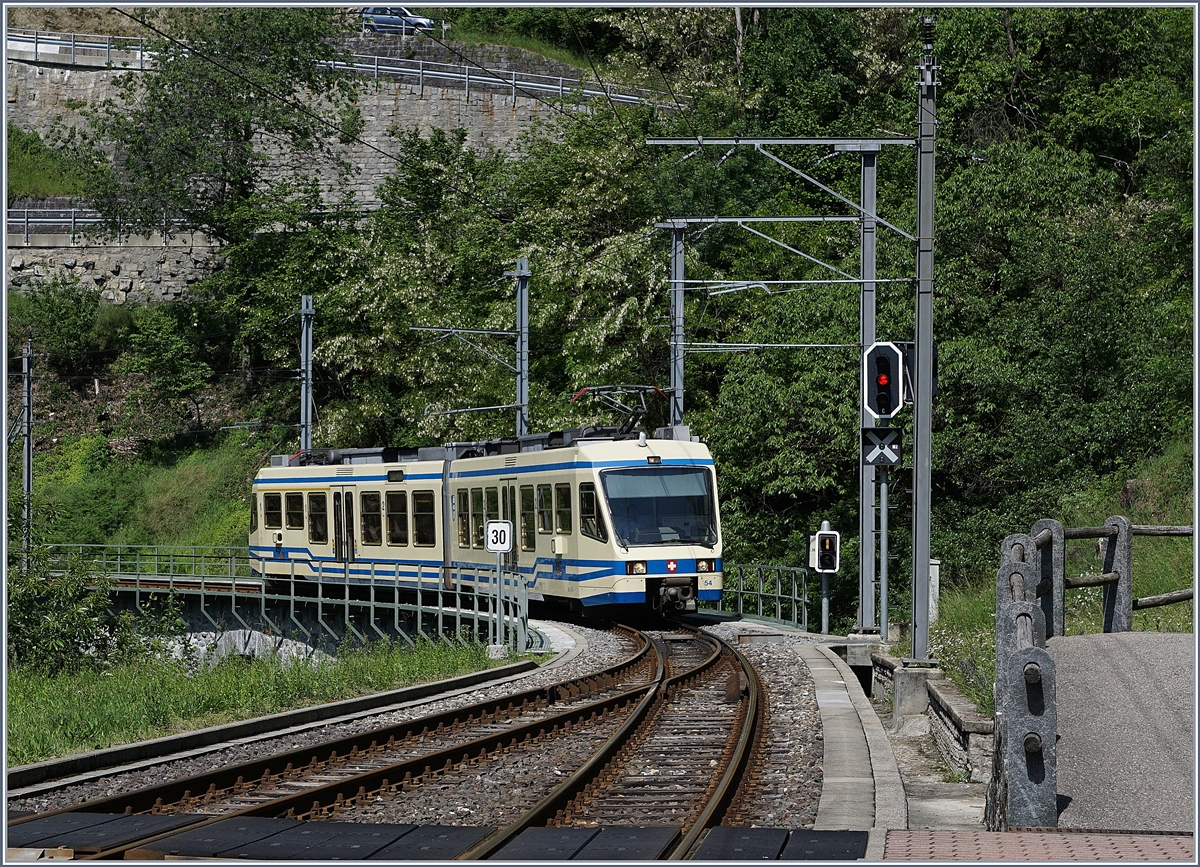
1126, 717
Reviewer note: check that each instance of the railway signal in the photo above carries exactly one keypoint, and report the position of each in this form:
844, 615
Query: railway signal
825, 554
883, 380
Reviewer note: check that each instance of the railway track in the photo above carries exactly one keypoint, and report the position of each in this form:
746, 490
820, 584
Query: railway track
663, 739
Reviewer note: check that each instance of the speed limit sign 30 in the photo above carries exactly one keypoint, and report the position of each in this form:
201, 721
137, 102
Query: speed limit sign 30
498, 537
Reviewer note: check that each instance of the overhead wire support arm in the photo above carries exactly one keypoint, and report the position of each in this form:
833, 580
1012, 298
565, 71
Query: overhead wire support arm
678, 222
798, 252
756, 142
833, 193
748, 347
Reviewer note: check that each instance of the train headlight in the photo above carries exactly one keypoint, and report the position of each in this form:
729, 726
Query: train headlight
635, 567
706, 566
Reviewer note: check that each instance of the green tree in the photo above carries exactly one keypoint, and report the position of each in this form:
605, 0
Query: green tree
227, 127
164, 358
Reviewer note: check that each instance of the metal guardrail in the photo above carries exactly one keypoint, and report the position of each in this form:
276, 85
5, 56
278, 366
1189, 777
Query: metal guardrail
773, 592
69, 47
130, 53
223, 580
53, 221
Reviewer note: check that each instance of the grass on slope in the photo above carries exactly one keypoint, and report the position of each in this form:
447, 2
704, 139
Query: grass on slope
1156, 492
36, 171
197, 495
93, 709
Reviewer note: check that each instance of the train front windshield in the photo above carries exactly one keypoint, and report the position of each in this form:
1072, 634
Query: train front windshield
657, 505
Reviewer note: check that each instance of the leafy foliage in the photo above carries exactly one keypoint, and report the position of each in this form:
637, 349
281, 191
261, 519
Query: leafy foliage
60, 621
193, 138
1063, 268
35, 170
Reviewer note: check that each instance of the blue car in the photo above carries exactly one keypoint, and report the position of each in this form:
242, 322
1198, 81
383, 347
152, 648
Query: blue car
394, 19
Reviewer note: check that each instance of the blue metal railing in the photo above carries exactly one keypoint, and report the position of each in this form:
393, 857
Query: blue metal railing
224, 578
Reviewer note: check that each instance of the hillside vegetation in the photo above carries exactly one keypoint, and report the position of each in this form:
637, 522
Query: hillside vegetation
1063, 266
1156, 492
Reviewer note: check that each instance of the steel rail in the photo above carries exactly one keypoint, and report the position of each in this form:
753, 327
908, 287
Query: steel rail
399, 775
545, 809
728, 786
142, 800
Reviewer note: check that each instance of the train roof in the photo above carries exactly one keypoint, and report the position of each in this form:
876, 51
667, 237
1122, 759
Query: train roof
456, 451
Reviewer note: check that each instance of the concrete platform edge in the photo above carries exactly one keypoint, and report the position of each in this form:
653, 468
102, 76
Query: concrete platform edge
891, 803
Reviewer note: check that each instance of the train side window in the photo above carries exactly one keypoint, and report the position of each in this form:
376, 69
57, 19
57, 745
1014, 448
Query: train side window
528, 520
273, 511
491, 504
591, 521
318, 519
397, 517
464, 519
477, 517
294, 511
545, 510
424, 519
371, 515
253, 513
562, 508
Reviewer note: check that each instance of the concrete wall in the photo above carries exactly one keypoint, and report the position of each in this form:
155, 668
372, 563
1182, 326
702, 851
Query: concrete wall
963, 735
46, 97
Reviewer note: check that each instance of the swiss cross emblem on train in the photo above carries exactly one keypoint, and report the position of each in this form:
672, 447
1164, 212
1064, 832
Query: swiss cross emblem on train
672, 565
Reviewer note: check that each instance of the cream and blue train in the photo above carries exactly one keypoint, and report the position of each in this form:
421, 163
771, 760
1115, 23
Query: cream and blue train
599, 518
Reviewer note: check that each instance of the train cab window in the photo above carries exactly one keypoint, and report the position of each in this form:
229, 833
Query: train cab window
491, 504
371, 516
273, 511
318, 519
397, 517
545, 510
528, 520
254, 513
294, 511
424, 519
464, 519
477, 517
562, 508
591, 521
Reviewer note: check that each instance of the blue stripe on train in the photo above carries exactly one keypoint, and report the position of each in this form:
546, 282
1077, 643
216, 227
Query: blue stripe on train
595, 568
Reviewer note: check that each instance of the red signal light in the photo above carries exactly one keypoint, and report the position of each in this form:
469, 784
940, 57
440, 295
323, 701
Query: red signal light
882, 379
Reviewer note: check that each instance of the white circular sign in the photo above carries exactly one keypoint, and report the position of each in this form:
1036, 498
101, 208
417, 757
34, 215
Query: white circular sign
498, 536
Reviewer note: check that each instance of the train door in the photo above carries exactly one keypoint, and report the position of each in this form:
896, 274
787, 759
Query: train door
508, 512
344, 546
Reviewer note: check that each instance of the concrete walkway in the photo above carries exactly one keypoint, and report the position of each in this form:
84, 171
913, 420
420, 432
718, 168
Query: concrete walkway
1126, 729
892, 784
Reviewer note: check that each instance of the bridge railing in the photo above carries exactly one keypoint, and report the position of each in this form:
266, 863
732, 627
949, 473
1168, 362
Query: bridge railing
145, 562
774, 592
1023, 792
71, 48
226, 590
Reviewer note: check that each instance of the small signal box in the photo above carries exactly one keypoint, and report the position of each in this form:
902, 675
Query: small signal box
824, 554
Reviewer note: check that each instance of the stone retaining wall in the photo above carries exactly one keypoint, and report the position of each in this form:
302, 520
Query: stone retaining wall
963, 735
139, 270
